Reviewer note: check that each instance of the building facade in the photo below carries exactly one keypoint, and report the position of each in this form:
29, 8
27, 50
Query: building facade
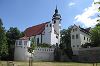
79, 37
45, 33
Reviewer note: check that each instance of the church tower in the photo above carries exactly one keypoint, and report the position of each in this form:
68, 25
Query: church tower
56, 20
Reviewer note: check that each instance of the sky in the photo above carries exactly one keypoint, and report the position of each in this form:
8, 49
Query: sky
26, 13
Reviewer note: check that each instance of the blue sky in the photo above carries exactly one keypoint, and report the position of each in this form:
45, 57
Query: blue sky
27, 13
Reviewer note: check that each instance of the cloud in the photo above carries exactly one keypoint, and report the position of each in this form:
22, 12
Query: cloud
85, 18
96, 0
71, 4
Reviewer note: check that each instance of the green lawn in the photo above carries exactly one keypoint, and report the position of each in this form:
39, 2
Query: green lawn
4, 63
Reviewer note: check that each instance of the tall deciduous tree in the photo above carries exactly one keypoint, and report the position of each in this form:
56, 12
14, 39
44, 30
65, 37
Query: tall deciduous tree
12, 35
3, 42
95, 32
95, 35
66, 42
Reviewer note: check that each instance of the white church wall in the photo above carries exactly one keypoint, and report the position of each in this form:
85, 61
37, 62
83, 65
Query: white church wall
47, 34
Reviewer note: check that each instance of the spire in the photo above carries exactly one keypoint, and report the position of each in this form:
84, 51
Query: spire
56, 10
56, 14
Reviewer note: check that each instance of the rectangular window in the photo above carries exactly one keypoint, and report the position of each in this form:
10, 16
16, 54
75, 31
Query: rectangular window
20, 42
73, 45
16, 43
25, 42
87, 39
72, 36
76, 36
73, 30
77, 45
37, 40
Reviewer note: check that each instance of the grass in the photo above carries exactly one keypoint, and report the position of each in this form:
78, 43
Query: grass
4, 63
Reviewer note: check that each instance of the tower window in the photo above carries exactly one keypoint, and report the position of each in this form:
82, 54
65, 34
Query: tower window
54, 22
72, 36
50, 25
57, 37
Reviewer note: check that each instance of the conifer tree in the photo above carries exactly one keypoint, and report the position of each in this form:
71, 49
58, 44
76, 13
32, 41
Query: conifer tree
3, 42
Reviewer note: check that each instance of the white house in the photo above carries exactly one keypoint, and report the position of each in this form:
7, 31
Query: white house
48, 33
79, 36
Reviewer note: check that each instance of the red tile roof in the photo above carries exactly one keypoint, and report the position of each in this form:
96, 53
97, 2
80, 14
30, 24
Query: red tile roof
35, 30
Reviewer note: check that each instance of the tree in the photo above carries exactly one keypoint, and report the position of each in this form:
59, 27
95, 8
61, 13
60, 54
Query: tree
57, 54
95, 36
3, 42
66, 42
32, 46
95, 32
12, 35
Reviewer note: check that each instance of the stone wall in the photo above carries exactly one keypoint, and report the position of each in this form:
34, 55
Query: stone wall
89, 54
43, 54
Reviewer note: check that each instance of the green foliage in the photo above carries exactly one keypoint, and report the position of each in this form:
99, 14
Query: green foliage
57, 54
96, 2
66, 38
66, 42
95, 35
30, 50
32, 44
3, 41
32, 47
86, 45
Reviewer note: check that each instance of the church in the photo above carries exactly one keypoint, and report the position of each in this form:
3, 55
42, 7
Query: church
45, 33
